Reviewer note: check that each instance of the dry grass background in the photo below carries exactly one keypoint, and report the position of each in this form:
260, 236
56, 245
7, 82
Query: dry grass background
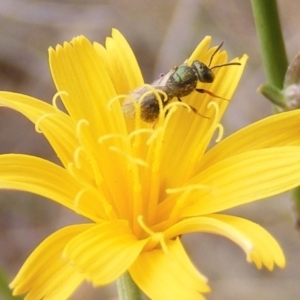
162, 34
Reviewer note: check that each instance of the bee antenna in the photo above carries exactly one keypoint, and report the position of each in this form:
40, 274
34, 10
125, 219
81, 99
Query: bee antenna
228, 64
211, 58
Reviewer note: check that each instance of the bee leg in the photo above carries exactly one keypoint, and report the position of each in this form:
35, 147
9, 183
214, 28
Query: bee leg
202, 91
193, 109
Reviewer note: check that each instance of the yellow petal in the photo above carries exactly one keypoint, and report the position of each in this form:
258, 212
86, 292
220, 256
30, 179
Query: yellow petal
244, 178
279, 130
200, 53
78, 70
104, 252
259, 246
41, 177
226, 78
45, 274
241, 179
168, 274
194, 134
121, 63
265, 249
57, 127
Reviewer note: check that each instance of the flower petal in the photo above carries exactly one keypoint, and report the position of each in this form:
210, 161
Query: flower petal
88, 89
194, 134
58, 127
259, 246
241, 179
104, 252
41, 177
121, 63
45, 274
168, 274
278, 130
226, 78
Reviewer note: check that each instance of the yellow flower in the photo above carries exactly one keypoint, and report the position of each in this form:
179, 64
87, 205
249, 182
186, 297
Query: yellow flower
143, 185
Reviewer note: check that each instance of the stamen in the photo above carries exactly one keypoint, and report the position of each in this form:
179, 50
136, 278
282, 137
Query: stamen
151, 175
54, 104
114, 99
190, 188
136, 135
76, 156
110, 136
101, 205
133, 160
217, 110
144, 227
156, 92
182, 201
220, 132
139, 131
200, 149
40, 119
168, 107
79, 174
128, 146
79, 126
56, 97
156, 237
88, 146
77, 199
162, 97
154, 135
215, 120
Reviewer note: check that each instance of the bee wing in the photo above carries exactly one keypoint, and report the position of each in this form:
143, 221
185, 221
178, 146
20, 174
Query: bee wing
162, 80
128, 105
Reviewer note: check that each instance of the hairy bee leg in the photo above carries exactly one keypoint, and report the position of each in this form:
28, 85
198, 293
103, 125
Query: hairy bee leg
193, 109
202, 91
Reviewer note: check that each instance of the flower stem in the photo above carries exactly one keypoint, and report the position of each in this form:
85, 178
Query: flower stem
275, 63
5, 291
271, 40
127, 289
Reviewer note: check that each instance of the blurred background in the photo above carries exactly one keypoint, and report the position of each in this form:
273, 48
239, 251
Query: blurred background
162, 34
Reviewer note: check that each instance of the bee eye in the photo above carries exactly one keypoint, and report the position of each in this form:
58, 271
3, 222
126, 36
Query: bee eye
203, 72
208, 76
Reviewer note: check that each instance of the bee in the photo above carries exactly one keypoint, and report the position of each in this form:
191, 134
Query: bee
179, 82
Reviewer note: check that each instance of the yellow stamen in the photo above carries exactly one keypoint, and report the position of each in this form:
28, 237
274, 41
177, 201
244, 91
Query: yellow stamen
182, 201
200, 149
110, 136
132, 160
220, 132
39, 120
175, 104
156, 237
103, 208
76, 156
78, 174
151, 175
139, 131
56, 97
87, 143
114, 99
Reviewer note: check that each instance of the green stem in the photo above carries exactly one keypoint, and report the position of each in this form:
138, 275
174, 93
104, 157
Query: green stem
271, 40
275, 63
127, 289
296, 206
5, 291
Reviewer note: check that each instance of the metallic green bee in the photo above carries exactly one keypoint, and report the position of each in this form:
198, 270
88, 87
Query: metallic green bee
179, 82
